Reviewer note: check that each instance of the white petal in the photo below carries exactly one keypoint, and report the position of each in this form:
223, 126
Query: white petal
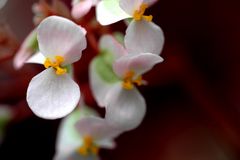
139, 63
109, 11
21, 57
68, 139
81, 8
97, 128
125, 109
144, 37
60, 36
37, 58
51, 96
107, 143
98, 86
109, 43
130, 6
26, 50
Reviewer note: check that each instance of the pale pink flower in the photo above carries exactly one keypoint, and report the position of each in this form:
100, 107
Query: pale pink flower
52, 93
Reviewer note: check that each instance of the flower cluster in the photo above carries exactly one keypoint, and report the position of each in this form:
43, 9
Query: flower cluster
115, 73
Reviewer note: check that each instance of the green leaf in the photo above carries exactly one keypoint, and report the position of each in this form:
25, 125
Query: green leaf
103, 65
70, 121
119, 37
32, 41
112, 6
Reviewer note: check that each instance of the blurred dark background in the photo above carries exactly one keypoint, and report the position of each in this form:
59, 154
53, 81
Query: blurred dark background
193, 97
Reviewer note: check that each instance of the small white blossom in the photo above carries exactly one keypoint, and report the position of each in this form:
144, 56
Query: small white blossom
52, 93
82, 134
125, 106
111, 11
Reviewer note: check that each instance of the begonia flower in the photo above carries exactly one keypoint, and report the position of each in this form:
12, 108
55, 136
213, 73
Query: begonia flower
82, 134
114, 75
109, 12
41, 10
81, 7
52, 93
142, 33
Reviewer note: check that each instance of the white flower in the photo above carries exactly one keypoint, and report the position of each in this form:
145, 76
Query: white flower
143, 36
81, 7
52, 93
82, 134
111, 11
114, 74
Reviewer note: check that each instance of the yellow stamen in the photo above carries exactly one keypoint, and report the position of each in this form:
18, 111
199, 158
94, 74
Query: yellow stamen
60, 71
47, 63
129, 81
139, 14
83, 151
127, 85
95, 150
139, 81
88, 147
56, 65
88, 141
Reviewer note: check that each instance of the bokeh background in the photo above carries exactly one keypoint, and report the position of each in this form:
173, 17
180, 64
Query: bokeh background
193, 97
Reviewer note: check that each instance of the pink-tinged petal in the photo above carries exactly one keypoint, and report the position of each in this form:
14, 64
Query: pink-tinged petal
97, 128
130, 6
109, 11
84, 31
37, 58
26, 50
109, 43
21, 57
60, 36
139, 63
98, 86
144, 37
125, 109
51, 96
68, 138
107, 143
81, 8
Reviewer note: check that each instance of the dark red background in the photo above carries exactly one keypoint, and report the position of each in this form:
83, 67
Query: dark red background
193, 97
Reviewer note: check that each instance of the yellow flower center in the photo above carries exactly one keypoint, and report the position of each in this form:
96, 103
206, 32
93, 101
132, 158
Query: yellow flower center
88, 147
129, 80
56, 65
139, 14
